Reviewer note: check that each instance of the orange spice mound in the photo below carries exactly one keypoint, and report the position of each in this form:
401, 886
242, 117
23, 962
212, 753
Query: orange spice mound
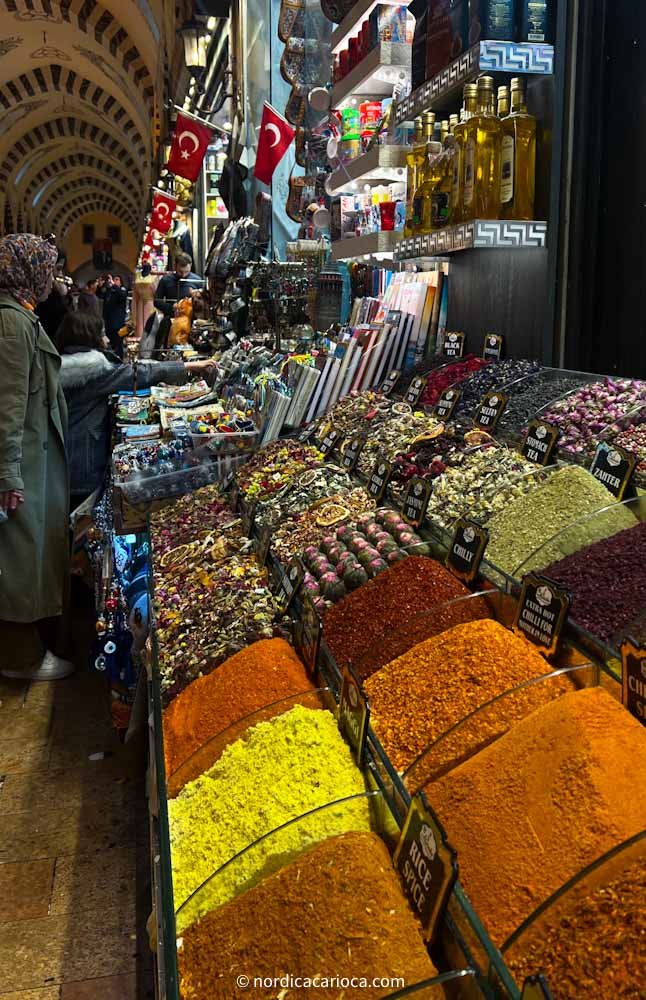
547, 799
257, 676
336, 911
420, 695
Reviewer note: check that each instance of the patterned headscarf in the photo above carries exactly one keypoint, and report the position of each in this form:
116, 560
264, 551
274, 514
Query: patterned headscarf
26, 265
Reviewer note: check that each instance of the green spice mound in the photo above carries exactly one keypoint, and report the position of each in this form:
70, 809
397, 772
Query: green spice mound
337, 911
521, 537
280, 770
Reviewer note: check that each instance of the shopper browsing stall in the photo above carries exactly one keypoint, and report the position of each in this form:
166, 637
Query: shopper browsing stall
176, 286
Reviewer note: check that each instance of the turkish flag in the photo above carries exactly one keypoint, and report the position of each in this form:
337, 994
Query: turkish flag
190, 143
162, 215
276, 135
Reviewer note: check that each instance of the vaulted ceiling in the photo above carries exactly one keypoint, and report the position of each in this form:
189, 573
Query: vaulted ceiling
81, 103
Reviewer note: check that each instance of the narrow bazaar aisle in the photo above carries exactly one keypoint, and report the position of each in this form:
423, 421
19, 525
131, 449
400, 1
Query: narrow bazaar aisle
74, 888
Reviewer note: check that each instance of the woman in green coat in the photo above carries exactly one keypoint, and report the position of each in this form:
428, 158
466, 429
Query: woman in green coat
34, 544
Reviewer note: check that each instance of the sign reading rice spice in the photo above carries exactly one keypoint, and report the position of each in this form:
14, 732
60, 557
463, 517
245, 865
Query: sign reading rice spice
542, 611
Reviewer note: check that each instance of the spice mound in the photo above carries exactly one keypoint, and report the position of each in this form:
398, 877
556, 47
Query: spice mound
263, 673
550, 797
280, 770
437, 683
590, 942
522, 536
338, 910
364, 629
605, 610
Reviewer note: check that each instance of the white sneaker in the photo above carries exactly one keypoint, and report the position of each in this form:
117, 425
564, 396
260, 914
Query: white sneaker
51, 668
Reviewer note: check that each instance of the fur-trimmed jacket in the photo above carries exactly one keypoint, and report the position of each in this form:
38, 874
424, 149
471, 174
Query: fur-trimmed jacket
89, 377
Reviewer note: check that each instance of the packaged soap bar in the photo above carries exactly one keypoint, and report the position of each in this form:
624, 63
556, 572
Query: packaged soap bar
446, 33
535, 21
388, 24
491, 19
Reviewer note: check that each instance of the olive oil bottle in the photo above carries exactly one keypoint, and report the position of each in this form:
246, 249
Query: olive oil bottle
487, 129
469, 108
413, 162
426, 203
518, 160
420, 157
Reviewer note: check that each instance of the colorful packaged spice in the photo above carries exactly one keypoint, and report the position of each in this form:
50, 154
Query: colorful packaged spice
368, 621
265, 672
527, 813
337, 910
420, 695
279, 770
607, 581
524, 536
584, 415
448, 375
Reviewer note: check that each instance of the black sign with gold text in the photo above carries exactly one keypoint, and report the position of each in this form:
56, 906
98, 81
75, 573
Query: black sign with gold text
541, 612
492, 347
416, 501
391, 380
613, 467
290, 583
379, 478
446, 404
633, 672
539, 444
467, 549
308, 636
490, 409
453, 345
415, 390
354, 714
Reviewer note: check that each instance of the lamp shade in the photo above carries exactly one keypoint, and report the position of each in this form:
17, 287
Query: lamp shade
193, 32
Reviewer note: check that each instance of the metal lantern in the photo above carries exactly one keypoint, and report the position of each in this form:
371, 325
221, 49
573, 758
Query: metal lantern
194, 34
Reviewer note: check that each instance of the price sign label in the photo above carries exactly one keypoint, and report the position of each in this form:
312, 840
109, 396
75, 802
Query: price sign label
290, 583
416, 501
426, 863
379, 478
248, 516
263, 543
467, 549
613, 467
354, 714
415, 390
389, 383
308, 636
352, 450
539, 444
633, 672
490, 410
234, 497
329, 441
453, 345
228, 480
446, 404
492, 347
305, 433
542, 611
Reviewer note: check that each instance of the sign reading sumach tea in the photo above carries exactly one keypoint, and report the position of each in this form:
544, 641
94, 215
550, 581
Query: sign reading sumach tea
541, 613
391, 380
467, 549
308, 636
291, 580
453, 345
415, 390
379, 478
352, 450
416, 501
490, 409
492, 347
540, 442
329, 441
354, 713
426, 863
613, 467
633, 672
446, 404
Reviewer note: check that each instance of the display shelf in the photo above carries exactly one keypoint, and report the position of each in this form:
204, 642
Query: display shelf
478, 234
359, 246
359, 13
486, 56
372, 167
368, 76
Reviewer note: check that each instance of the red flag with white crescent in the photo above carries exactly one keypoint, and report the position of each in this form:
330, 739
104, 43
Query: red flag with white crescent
190, 143
162, 215
276, 135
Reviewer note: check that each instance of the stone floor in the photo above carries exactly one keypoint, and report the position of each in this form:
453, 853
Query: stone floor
74, 869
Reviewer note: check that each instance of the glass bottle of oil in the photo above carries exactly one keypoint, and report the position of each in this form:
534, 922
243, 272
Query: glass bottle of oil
464, 165
453, 121
416, 160
488, 135
518, 185
425, 202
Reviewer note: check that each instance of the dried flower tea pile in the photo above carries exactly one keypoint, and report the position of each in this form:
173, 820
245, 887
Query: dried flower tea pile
301, 492
538, 805
448, 375
584, 415
364, 412
533, 395
496, 375
278, 771
338, 910
308, 528
263, 673
397, 434
274, 467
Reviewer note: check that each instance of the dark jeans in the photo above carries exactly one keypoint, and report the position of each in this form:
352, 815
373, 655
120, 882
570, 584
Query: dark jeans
116, 342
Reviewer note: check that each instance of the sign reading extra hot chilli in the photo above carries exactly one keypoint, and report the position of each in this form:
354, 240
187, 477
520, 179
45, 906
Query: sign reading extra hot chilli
633, 672
540, 442
541, 612
467, 549
453, 345
426, 863
490, 409
354, 713
416, 501
492, 347
613, 467
352, 450
415, 390
379, 478
290, 583
391, 380
446, 404
308, 636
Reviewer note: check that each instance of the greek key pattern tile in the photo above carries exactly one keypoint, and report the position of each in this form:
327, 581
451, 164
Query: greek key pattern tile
509, 57
480, 234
